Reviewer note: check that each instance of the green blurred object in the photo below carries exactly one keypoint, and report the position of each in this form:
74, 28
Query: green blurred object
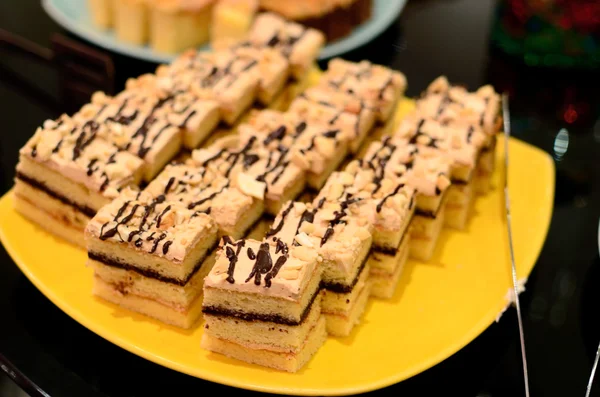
550, 33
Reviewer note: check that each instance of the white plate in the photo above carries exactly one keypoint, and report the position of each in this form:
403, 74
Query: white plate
73, 15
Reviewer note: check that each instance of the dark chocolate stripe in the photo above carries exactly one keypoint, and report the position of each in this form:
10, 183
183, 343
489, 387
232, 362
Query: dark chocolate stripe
148, 272
341, 288
272, 318
87, 211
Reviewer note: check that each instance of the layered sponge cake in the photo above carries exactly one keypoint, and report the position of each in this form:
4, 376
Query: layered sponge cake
299, 44
266, 172
314, 147
262, 303
454, 105
426, 171
342, 240
150, 255
203, 190
378, 86
388, 201
462, 144
66, 173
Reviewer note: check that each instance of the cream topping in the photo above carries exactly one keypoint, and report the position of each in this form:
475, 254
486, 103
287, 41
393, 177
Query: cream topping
76, 151
377, 85
201, 190
265, 268
153, 225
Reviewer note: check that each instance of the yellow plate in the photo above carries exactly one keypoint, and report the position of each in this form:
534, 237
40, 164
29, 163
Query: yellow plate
438, 308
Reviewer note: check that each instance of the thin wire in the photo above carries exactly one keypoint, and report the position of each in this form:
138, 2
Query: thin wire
506, 116
589, 385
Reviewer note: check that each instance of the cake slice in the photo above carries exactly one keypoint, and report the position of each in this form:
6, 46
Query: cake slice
196, 117
388, 201
299, 44
378, 86
264, 172
102, 13
177, 25
354, 124
202, 190
66, 173
230, 79
131, 21
427, 172
273, 70
455, 105
231, 21
133, 123
150, 256
343, 241
262, 304
314, 147
463, 145
342, 102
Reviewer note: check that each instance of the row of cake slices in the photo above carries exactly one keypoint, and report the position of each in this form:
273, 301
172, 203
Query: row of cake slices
171, 26
229, 184
78, 164
272, 302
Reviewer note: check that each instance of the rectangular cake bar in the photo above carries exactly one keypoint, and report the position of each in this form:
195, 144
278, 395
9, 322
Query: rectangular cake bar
463, 145
455, 105
339, 110
261, 171
203, 190
380, 87
299, 44
150, 255
66, 173
342, 241
262, 303
314, 147
427, 172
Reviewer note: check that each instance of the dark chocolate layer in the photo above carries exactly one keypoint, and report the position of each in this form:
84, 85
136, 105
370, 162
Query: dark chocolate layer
390, 251
341, 288
149, 272
87, 211
272, 318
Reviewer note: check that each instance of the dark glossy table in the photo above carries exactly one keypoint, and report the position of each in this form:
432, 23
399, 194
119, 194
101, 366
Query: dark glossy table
45, 351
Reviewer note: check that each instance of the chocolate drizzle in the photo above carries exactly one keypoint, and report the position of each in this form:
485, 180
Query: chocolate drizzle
384, 199
272, 231
232, 256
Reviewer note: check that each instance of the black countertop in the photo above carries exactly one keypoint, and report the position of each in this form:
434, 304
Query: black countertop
48, 352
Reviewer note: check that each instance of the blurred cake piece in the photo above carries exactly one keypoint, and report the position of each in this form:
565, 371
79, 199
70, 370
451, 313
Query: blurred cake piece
102, 13
231, 21
262, 304
335, 18
66, 173
378, 86
150, 255
230, 79
131, 21
177, 25
299, 44
339, 110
